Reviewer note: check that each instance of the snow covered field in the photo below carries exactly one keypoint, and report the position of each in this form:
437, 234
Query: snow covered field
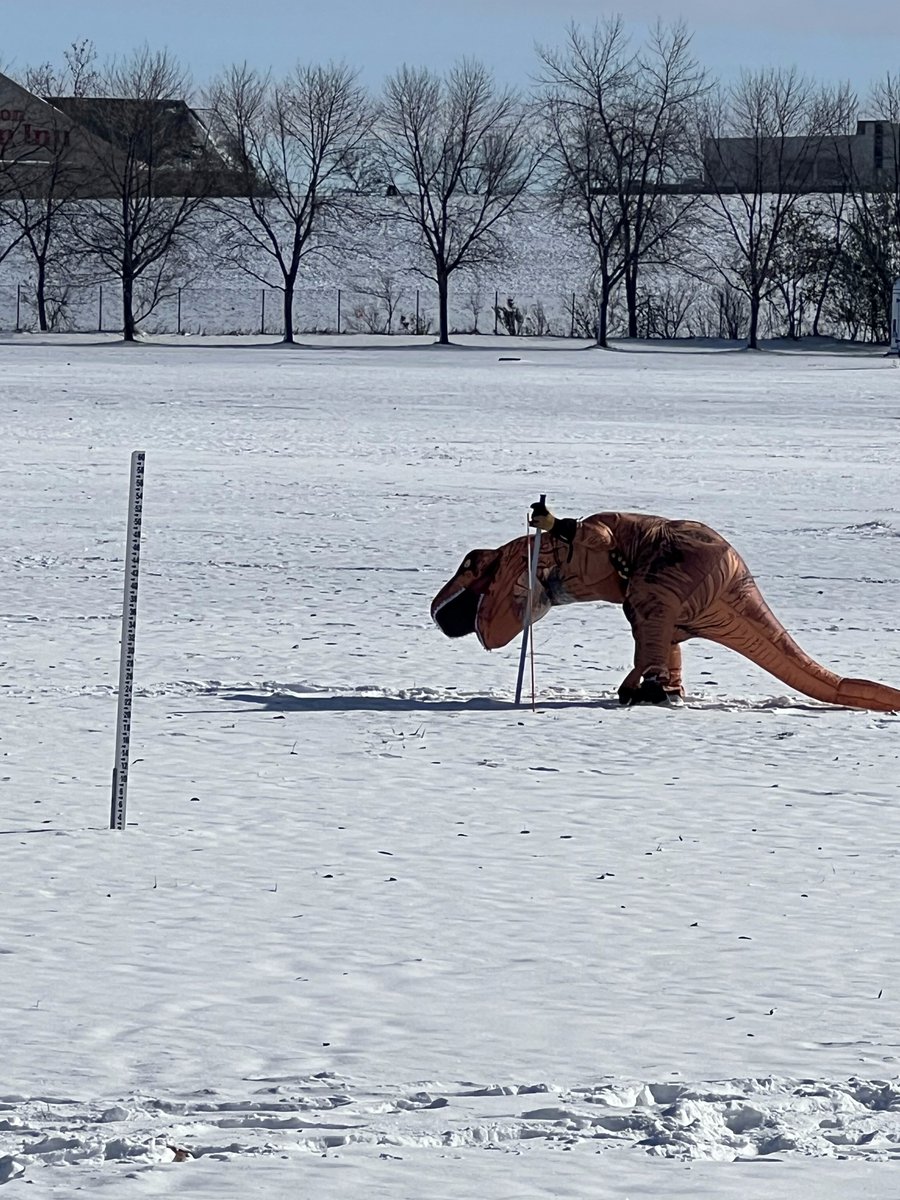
371, 931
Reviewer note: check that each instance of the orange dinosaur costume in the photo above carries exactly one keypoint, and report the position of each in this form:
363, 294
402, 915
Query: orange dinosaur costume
675, 579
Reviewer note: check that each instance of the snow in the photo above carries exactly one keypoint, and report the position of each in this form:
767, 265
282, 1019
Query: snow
371, 930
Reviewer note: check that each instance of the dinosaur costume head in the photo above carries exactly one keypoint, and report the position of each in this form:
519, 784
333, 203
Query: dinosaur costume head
456, 609
488, 595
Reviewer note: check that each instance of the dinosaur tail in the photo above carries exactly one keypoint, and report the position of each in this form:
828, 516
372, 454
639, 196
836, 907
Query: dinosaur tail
745, 623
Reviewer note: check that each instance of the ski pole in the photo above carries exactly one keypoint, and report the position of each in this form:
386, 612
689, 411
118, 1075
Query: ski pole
534, 550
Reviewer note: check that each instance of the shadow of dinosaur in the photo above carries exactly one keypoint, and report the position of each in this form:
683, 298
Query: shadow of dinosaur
675, 580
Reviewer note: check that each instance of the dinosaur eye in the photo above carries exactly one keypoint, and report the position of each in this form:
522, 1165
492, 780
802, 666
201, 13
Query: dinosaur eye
467, 563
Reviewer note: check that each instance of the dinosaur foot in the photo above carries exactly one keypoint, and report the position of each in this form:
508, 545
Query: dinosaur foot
650, 691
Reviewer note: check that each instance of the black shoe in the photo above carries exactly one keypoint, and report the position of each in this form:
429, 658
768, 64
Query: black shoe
651, 691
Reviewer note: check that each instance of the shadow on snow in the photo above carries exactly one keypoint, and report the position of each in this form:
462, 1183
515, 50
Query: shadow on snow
287, 702
284, 702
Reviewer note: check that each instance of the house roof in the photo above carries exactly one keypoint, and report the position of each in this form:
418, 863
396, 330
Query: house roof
149, 129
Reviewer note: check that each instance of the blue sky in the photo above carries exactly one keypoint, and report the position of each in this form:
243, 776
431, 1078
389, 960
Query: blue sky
831, 39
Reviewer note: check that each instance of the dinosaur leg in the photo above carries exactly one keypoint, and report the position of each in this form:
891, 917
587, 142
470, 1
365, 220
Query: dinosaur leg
656, 676
639, 688
673, 582
652, 616
676, 682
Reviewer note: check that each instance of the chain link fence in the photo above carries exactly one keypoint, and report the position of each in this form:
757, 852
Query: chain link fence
670, 309
214, 310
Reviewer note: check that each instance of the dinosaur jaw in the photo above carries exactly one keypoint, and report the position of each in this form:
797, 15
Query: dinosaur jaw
454, 611
456, 607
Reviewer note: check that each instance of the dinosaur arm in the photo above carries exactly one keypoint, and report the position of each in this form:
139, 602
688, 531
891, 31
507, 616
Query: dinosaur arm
577, 559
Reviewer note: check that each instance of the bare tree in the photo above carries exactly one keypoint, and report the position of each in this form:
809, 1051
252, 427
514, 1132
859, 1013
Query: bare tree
619, 129
880, 176
665, 312
40, 217
865, 264
813, 245
458, 157
297, 147
79, 76
155, 165
871, 259
827, 238
386, 290
38, 199
10, 236
475, 300
763, 139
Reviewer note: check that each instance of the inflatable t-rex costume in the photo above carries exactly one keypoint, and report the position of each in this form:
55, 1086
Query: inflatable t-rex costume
675, 579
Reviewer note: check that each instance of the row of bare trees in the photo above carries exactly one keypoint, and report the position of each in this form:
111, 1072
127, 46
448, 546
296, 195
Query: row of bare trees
649, 166
122, 207
452, 153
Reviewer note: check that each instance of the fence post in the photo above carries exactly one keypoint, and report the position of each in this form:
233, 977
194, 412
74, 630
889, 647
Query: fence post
418, 330
496, 314
179, 312
18, 308
339, 310
572, 333
262, 313
100, 312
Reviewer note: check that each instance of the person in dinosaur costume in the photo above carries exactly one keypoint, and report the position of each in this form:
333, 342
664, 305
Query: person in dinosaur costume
675, 580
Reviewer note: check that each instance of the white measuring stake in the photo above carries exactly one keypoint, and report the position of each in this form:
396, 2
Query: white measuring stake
534, 552
129, 629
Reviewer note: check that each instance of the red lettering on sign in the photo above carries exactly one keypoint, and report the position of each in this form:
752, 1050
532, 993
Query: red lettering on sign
29, 136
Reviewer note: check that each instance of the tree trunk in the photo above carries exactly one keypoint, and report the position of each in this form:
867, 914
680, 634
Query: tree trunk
790, 310
288, 312
631, 300
128, 328
603, 317
443, 281
820, 300
42, 295
820, 304
753, 334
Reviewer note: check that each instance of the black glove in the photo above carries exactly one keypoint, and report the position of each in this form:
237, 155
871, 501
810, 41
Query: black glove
562, 527
541, 517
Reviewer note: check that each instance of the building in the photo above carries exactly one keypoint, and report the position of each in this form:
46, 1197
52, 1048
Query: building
868, 159
84, 144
